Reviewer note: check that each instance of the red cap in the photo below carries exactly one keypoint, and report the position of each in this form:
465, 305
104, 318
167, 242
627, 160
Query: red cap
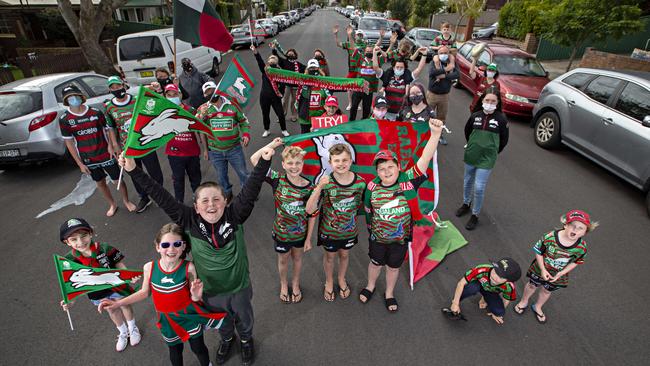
332, 101
172, 87
578, 215
384, 155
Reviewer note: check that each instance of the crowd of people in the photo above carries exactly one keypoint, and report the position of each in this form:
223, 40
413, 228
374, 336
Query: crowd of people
214, 289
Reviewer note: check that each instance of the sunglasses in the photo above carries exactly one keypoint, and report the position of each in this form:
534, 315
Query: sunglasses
176, 244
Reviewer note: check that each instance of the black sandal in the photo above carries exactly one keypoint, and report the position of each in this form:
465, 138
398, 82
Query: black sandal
452, 315
391, 302
541, 318
518, 310
367, 293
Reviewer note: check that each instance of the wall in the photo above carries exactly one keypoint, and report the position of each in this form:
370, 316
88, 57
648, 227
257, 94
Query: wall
605, 60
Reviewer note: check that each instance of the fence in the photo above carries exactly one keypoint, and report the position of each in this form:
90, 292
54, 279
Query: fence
550, 51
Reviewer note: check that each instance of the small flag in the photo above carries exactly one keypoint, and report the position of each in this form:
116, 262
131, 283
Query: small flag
197, 22
237, 82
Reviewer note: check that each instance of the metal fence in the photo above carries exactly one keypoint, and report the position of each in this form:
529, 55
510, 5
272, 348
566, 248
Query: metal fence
550, 51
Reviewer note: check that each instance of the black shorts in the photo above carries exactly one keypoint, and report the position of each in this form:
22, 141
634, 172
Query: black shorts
391, 255
284, 247
110, 167
333, 246
537, 281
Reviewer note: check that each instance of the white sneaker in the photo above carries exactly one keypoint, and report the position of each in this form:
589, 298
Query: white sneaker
348, 107
266, 133
285, 133
122, 340
134, 336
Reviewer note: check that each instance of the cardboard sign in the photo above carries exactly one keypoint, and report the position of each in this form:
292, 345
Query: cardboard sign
328, 121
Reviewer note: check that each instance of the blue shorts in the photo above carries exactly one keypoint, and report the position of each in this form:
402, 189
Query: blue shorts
113, 296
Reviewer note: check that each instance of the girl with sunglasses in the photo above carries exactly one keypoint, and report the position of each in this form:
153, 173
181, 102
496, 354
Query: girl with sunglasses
176, 292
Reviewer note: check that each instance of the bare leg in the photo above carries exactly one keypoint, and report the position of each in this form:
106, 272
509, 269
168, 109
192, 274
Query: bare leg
328, 266
117, 317
283, 269
529, 290
103, 187
373, 274
125, 197
127, 311
296, 255
391, 279
344, 260
542, 298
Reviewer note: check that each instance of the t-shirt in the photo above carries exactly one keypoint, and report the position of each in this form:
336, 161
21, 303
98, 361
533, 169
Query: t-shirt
228, 124
290, 224
557, 256
118, 116
354, 54
367, 72
441, 41
408, 115
395, 88
184, 144
481, 273
339, 209
390, 211
87, 130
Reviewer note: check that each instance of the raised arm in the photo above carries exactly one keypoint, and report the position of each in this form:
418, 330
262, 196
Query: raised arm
422, 63
243, 204
255, 158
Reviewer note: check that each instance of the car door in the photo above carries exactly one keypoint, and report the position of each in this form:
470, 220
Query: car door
96, 90
624, 141
463, 62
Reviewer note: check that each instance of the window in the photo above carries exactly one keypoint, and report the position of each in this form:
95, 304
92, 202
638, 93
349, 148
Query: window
427, 35
465, 50
577, 80
125, 15
484, 59
96, 84
59, 89
5, 26
634, 102
19, 103
139, 15
602, 88
516, 65
141, 48
373, 24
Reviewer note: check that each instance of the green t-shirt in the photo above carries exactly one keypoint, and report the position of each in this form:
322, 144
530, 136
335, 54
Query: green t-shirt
481, 273
290, 224
340, 205
557, 256
118, 116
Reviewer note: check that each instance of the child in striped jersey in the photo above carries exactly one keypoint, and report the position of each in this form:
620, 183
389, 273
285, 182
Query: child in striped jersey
556, 254
292, 226
176, 292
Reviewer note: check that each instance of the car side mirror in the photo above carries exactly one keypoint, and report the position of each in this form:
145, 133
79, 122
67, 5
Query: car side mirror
646, 121
546, 73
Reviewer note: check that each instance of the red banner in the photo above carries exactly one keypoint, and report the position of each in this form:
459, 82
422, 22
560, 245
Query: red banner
328, 121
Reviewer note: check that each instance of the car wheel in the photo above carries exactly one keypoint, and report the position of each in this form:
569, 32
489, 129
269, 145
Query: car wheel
547, 130
216, 71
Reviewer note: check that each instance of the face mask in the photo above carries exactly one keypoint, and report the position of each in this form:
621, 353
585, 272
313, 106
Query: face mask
368, 54
164, 82
489, 108
398, 72
416, 99
443, 57
273, 64
175, 100
74, 101
291, 57
314, 72
319, 57
378, 113
491, 74
187, 67
119, 93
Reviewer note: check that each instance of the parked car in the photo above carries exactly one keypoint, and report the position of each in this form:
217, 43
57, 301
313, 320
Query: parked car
422, 37
521, 77
294, 14
301, 13
487, 32
370, 26
269, 25
140, 54
288, 17
602, 114
29, 111
281, 22
242, 36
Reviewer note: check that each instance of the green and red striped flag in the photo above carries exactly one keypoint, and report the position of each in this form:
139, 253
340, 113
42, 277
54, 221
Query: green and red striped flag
237, 83
277, 75
76, 279
197, 22
155, 122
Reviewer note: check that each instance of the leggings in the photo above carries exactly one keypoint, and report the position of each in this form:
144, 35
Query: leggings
198, 347
359, 98
276, 103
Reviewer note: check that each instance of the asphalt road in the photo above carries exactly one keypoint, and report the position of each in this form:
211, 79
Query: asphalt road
601, 319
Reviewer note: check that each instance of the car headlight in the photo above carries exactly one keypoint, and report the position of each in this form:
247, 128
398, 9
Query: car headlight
517, 98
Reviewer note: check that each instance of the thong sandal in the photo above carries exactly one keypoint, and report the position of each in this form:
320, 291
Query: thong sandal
391, 302
519, 310
367, 294
452, 315
329, 296
344, 293
296, 298
285, 298
541, 318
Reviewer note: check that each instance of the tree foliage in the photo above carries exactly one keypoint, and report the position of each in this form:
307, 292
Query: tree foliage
422, 10
364, 5
380, 5
466, 9
519, 17
400, 9
274, 6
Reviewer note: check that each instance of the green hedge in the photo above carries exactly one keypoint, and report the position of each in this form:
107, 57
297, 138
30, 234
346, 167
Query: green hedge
519, 17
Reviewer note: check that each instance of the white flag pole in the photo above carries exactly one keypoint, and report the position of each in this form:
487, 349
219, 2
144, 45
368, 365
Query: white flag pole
69, 318
119, 180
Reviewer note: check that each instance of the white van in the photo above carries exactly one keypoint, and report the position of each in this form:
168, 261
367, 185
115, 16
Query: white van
140, 54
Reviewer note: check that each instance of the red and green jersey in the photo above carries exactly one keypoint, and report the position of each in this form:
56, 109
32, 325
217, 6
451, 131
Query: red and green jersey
118, 116
354, 54
228, 125
367, 72
389, 211
395, 88
481, 273
102, 255
87, 130
557, 256
340, 204
442, 41
290, 223
170, 291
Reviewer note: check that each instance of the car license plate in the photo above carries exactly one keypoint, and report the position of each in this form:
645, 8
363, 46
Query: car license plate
238, 34
9, 153
146, 74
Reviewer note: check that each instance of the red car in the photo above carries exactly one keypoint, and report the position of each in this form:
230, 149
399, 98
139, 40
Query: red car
521, 77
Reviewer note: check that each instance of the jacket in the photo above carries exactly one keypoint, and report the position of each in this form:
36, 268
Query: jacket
193, 83
442, 86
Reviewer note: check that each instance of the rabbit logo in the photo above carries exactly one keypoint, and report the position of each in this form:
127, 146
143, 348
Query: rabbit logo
323, 145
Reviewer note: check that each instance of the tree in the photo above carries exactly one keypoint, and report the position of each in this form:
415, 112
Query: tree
422, 11
364, 4
466, 8
88, 26
572, 22
274, 6
380, 5
400, 9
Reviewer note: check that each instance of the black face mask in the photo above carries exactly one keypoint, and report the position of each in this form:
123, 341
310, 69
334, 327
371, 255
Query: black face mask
291, 57
187, 67
416, 99
274, 65
319, 57
119, 93
164, 82
314, 72
368, 54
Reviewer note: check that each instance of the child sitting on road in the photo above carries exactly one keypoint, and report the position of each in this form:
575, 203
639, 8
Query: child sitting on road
175, 290
78, 235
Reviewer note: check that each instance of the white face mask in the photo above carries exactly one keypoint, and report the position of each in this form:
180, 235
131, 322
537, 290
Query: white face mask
398, 72
489, 108
378, 113
443, 57
491, 74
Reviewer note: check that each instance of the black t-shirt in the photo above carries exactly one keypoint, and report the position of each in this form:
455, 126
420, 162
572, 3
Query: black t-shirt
407, 114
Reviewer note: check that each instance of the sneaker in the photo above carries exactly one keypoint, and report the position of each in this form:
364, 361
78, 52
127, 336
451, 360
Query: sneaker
223, 353
266, 133
122, 340
471, 224
143, 204
349, 107
134, 336
462, 210
443, 140
285, 133
247, 352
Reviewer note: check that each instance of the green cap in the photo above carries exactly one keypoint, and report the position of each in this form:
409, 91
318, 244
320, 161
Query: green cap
492, 67
114, 80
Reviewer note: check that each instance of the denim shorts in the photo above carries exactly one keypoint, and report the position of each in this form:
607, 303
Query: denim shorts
113, 296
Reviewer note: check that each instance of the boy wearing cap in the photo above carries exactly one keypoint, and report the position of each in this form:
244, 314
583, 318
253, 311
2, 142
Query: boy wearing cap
84, 131
495, 282
332, 106
391, 206
78, 235
380, 108
556, 254
119, 111
311, 100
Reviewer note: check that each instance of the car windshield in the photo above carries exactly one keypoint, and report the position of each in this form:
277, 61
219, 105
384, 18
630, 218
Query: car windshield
427, 35
517, 65
15, 104
140, 48
373, 24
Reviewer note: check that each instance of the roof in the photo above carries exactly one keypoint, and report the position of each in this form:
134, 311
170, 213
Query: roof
37, 82
499, 48
642, 75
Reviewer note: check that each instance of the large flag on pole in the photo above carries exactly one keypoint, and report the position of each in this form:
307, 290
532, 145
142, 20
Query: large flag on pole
237, 83
76, 279
197, 22
155, 122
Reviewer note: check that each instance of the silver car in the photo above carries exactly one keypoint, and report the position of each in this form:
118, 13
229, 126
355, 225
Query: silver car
242, 36
269, 25
371, 26
602, 114
29, 111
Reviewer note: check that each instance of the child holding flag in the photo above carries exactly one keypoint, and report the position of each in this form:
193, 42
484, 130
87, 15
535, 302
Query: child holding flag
341, 196
78, 235
176, 291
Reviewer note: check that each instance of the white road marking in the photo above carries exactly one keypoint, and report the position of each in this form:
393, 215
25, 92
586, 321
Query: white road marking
84, 189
